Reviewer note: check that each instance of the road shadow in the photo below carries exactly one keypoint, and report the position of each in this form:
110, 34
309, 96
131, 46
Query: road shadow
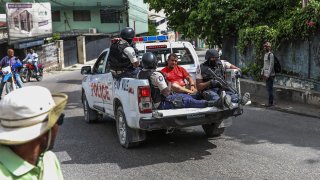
74, 100
98, 143
260, 125
71, 81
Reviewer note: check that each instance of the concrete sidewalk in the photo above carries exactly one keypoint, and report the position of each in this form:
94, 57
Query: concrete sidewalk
79, 66
297, 101
286, 99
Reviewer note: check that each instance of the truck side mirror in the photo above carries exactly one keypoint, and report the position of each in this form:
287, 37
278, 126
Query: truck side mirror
86, 70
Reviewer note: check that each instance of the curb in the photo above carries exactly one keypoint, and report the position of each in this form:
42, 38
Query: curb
277, 108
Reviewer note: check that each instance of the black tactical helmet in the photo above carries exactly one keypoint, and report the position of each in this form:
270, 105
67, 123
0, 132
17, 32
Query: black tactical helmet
211, 53
127, 33
149, 61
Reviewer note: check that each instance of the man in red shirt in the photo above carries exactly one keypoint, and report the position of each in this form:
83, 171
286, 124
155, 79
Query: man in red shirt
176, 75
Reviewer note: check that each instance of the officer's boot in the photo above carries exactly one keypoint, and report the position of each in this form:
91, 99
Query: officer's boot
226, 99
245, 98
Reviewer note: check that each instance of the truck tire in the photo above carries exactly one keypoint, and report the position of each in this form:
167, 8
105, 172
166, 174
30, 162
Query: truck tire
125, 133
212, 130
90, 115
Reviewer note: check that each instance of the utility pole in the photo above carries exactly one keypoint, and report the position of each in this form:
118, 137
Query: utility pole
304, 3
126, 5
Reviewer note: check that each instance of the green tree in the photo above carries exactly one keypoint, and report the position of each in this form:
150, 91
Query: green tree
152, 29
215, 20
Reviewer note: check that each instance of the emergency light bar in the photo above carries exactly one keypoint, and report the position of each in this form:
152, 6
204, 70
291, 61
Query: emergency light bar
156, 47
150, 38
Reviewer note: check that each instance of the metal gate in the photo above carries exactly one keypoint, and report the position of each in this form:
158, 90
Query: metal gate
94, 46
70, 52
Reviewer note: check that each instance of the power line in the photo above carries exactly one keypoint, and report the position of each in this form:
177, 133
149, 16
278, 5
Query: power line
137, 8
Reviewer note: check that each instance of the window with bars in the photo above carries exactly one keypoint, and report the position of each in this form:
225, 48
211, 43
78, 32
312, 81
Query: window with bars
56, 16
110, 16
81, 15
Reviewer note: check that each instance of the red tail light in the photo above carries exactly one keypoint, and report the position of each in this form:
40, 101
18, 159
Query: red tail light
145, 92
144, 99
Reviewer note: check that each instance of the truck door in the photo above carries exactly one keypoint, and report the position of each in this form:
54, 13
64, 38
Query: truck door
98, 87
110, 82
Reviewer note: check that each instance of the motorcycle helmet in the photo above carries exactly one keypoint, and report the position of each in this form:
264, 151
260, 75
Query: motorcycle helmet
127, 33
211, 53
149, 61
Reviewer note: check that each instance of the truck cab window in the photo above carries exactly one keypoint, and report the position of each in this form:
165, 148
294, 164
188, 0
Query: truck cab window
98, 67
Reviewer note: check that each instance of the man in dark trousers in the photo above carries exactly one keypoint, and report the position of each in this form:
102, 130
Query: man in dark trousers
268, 71
123, 60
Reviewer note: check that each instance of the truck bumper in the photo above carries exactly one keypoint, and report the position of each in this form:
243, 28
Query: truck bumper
187, 120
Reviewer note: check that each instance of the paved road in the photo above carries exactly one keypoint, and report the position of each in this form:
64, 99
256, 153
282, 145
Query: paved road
261, 144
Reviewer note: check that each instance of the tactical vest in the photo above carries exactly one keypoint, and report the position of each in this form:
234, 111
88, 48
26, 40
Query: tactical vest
156, 95
206, 75
118, 60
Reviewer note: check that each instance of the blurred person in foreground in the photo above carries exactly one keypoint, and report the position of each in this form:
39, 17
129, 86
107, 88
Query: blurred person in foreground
29, 121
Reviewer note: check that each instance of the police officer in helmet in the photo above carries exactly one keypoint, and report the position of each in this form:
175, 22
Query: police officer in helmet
161, 94
123, 60
210, 88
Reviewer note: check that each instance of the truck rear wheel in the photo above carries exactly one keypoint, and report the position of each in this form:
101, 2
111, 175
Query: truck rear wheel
126, 135
90, 115
212, 130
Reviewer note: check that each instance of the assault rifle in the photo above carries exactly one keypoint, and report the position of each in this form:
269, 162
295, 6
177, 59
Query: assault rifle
223, 83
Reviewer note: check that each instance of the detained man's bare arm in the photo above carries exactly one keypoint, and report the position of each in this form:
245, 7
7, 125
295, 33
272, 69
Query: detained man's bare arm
177, 88
202, 85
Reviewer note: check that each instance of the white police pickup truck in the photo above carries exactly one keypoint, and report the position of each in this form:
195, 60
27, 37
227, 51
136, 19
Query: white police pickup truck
128, 101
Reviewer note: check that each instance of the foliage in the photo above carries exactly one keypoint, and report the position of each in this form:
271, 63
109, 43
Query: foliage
152, 29
251, 22
55, 36
255, 37
220, 19
300, 23
252, 70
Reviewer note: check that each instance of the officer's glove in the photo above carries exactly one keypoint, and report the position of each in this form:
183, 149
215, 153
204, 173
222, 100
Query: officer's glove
215, 84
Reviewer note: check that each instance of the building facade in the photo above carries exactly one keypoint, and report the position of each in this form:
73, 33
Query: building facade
84, 26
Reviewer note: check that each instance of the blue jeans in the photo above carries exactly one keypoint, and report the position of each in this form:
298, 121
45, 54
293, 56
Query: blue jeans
213, 95
6, 78
269, 85
35, 63
180, 100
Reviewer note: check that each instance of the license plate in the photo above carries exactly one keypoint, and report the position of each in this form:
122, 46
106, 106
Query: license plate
193, 116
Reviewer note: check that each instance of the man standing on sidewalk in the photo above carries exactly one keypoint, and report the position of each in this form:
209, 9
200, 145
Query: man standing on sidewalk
268, 71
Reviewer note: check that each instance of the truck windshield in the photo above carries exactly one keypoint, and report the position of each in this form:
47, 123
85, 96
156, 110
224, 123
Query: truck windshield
184, 55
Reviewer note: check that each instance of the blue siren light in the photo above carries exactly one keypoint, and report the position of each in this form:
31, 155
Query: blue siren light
162, 38
155, 38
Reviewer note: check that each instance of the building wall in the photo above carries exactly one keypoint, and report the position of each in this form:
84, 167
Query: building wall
134, 11
138, 16
300, 61
67, 23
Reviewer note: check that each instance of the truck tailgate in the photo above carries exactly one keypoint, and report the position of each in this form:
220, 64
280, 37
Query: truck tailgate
176, 118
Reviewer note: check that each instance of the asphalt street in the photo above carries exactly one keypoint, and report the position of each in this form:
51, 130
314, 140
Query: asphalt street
261, 144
